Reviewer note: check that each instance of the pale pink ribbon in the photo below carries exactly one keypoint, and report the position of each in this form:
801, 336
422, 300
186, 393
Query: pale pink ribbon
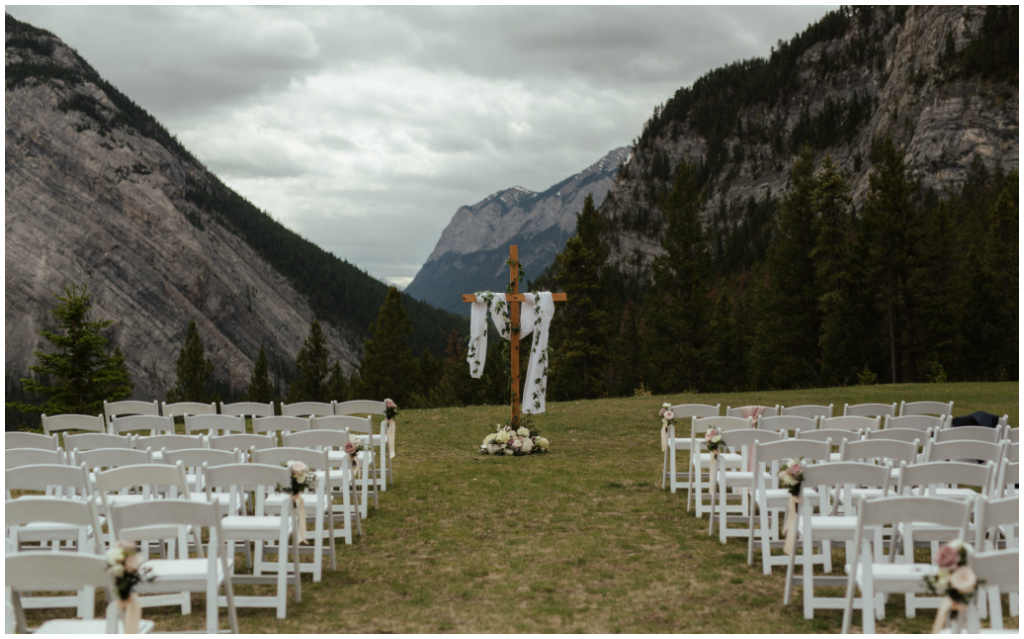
664, 435
300, 528
791, 524
131, 612
947, 606
391, 438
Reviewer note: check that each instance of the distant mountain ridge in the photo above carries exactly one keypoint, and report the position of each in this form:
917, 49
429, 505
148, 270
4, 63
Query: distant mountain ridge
472, 251
99, 193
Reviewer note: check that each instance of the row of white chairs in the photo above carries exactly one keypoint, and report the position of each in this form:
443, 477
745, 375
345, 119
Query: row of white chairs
942, 409
224, 432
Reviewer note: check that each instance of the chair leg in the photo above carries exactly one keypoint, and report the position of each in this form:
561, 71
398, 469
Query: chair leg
282, 577
766, 546
808, 577
789, 580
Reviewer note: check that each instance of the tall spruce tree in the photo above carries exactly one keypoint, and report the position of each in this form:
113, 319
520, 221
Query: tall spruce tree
388, 362
337, 385
312, 368
580, 331
786, 348
83, 374
892, 234
195, 371
834, 267
261, 389
675, 339
727, 356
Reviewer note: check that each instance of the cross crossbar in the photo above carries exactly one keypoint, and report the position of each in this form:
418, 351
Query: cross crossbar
514, 299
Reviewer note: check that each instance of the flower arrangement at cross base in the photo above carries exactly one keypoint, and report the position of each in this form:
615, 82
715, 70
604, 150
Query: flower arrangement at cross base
507, 440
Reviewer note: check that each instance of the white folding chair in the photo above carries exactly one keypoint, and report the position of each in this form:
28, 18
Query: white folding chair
54, 519
63, 423
1008, 480
154, 424
278, 424
26, 572
213, 425
1012, 434
997, 526
850, 422
360, 430
699, 461
875, 575
771, 499
94, 441
918, 422
144, 520
129, 407
259, 528
15, 457
968, 433
835, 522
869, 410
344, 485
998, 572
680, 442
243, 443
180, 409
247, 409
879, 451
740, 480
807, 410
307, 409
323, 502
21, 439
964, 449
789, 423
382, 441
160, 443
942, 409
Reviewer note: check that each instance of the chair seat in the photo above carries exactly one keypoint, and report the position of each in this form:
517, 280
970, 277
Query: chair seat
746, 476
897, 577
238, 527
728, 458
178, 574
779, 497
50, 531
87, 627
831, 528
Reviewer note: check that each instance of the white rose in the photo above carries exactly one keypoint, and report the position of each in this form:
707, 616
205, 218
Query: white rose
115, 555
493, 449
527, 445
523, 431
941, 581
666, 405
489, 438
787, 479
517, 443
963, 580
716, 439
116, 570
542, 442
502, 437
509, 451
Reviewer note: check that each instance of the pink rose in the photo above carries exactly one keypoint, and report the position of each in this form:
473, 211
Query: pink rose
662, 412
299, 469
963, 580
796, 469
350, 448
710, 434
127, 546
388, 403
133, 562
948, 557
669, 415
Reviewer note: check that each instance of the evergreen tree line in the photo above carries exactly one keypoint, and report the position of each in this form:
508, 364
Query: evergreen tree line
910, 288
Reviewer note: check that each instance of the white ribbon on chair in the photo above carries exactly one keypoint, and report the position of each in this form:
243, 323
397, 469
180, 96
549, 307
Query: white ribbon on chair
131, 612
300, 524
391, 438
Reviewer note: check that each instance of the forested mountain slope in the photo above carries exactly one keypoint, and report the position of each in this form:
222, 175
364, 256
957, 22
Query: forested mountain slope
98, 192
941, 80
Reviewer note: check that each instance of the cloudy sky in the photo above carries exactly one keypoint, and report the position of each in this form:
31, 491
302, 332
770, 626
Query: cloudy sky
364, 128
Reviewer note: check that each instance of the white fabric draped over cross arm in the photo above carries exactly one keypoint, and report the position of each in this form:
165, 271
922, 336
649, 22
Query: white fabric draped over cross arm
535, 314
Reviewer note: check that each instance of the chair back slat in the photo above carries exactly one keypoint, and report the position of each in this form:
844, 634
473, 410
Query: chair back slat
942, 409
745, 411
248, 409
919, 422
869, 410
168, 442
316, 439
280, 424
307, 409
850, 422
809, 450
914, 510
59, 423
20, 439
964, 449
15, 457
155, 424
56, 571
92, 441
837, 436
112, 457
792, 423
180, 409
314, 459
359, 407
129, 407
929, 475
883, 450
807, 410
242, 442
967, 433
71, 480
214, 424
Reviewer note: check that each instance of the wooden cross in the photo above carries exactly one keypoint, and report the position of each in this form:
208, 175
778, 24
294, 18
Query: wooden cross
514, 299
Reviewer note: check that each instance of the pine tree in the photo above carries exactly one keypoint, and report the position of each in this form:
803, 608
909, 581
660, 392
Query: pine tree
387, 358
453, 386
581, 326
892, 235
195, 371
786, 348
312, 368
627, 373
260, 387
82, 372
727, 367
676, 313
337, 385
833, 257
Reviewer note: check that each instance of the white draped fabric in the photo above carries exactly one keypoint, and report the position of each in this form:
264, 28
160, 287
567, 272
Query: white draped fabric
535, 313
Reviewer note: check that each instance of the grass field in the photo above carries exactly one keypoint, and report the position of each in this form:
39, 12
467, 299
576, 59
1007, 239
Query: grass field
582, 539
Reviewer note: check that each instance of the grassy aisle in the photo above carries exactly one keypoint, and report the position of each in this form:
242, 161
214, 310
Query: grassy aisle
579, 540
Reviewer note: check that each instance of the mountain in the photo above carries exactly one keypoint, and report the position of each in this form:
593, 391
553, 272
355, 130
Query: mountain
943, 81
472, 252
99, 193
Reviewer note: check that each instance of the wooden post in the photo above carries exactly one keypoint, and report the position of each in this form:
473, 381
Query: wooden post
513, 256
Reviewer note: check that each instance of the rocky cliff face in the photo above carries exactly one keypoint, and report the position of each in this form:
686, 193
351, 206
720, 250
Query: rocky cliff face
93, 202
473, 249
886, 73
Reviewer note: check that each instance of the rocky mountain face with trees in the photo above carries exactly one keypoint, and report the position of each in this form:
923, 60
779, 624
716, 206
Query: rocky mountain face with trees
940, 80
98, 193
470, 256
